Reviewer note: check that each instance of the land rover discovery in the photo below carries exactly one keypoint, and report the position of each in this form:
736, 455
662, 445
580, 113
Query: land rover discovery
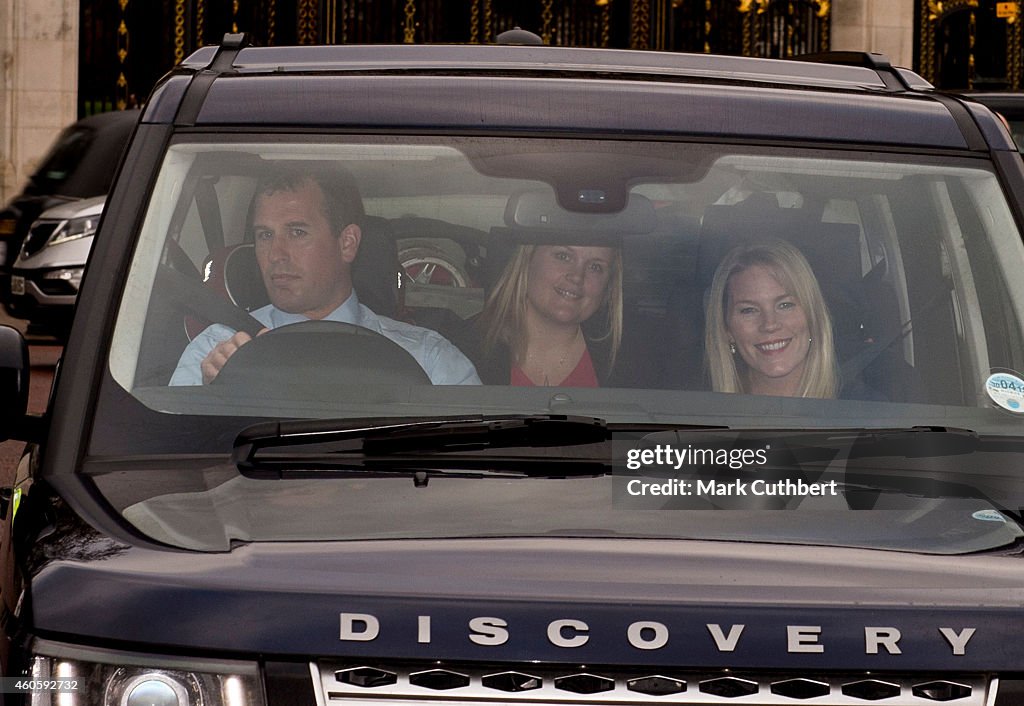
785, 468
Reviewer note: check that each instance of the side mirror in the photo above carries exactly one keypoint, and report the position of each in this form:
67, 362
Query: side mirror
14, 377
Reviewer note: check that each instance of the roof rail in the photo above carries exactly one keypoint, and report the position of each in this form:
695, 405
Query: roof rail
879, 63
840, 70
223, 62
229, 47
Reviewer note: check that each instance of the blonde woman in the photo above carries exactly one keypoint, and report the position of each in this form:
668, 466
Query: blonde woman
768, 330
536, 326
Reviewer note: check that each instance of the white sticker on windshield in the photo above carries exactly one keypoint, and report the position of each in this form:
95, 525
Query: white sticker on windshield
1007, 391
989, 516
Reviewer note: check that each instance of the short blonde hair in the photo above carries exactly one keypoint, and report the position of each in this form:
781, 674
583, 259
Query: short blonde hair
504, 315
821, 373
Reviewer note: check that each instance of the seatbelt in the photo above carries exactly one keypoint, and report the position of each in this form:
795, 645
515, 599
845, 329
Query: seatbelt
856, 365
195, 297
209, 213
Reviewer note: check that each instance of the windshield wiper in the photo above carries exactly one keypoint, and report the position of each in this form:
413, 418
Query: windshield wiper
385, 446
543, 445
909, 442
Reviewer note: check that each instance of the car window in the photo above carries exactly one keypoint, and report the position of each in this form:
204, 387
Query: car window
903, 251
1017, 131
63, 158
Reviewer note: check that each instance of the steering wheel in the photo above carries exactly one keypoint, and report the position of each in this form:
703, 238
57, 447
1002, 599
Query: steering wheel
320, 353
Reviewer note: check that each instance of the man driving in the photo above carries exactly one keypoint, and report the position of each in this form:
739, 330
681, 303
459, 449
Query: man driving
306, 236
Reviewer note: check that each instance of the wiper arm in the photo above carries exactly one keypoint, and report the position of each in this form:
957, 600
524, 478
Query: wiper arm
909, 442
455, 434
384, 446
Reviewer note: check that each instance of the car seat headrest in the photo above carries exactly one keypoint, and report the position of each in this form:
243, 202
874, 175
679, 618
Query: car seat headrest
376, 271
831, 249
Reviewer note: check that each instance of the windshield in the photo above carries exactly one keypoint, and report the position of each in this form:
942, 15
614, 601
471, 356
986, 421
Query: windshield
655, 283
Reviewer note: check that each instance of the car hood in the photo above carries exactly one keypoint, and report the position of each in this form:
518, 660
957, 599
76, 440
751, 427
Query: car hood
419, 599
76, 209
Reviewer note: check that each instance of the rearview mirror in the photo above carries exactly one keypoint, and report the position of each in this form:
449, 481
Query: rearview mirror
539, 211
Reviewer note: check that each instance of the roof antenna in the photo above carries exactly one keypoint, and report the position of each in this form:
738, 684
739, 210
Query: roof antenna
518, 37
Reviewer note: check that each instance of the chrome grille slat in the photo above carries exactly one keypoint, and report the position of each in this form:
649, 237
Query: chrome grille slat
657, 685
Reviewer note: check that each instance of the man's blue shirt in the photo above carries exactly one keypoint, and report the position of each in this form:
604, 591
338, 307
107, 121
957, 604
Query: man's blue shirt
440, 359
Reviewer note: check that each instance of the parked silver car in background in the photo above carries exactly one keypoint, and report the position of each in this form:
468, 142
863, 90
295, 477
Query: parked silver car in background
79, 165
48, 270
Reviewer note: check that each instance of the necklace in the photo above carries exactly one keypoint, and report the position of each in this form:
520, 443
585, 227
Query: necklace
543, 365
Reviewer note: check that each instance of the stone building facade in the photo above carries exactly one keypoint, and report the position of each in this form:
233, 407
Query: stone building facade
38, 82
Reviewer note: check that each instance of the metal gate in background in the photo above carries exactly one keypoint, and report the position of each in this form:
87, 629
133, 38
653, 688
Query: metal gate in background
126, 45
969, 43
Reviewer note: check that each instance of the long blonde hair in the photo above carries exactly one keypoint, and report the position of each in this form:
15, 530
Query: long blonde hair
504, 316
820, 376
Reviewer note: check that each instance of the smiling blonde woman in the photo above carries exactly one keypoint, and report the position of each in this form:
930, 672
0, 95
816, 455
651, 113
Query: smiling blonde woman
768, 329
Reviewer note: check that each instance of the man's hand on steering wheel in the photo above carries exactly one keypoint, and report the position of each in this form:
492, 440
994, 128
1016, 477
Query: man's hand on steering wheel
215, 360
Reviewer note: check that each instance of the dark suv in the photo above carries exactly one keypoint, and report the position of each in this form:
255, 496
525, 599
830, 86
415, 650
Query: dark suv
750, 428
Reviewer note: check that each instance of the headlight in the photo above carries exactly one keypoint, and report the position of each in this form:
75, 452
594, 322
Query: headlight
74, 229
71, 275
106, 678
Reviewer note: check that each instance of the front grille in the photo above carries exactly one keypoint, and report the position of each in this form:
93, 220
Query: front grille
38, 234
372, 682
55, 287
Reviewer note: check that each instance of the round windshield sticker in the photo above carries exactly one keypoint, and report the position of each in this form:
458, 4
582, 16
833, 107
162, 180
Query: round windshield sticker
989, 516
1007, 391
